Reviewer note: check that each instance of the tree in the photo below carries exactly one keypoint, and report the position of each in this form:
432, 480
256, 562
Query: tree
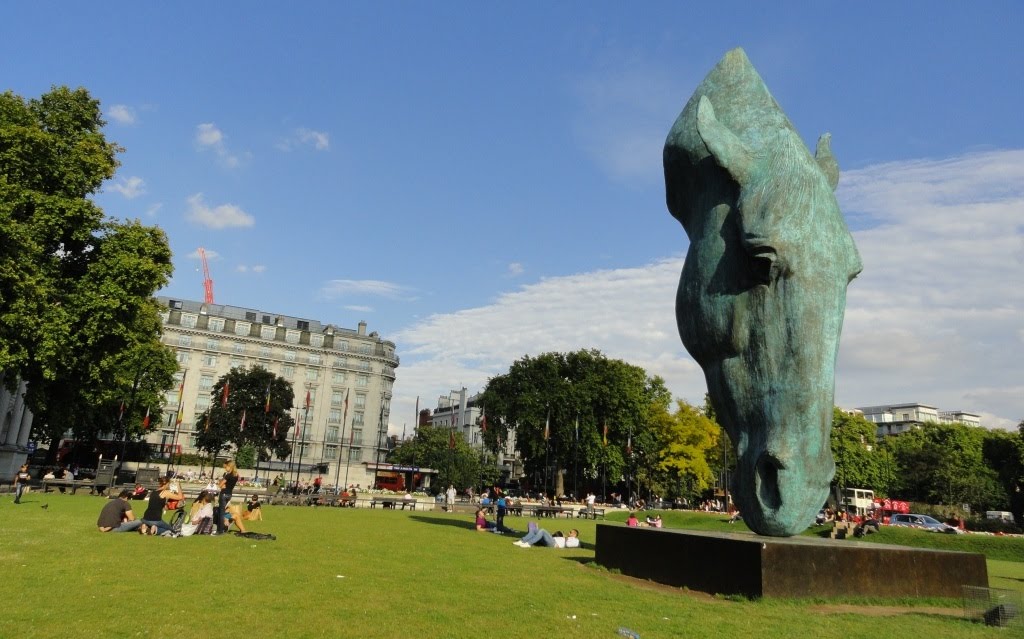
440, 448
684, 440
860, 462
557, 405
267, 432
77, 319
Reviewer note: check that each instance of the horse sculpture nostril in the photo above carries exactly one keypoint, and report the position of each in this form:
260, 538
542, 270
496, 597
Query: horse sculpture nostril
767, 481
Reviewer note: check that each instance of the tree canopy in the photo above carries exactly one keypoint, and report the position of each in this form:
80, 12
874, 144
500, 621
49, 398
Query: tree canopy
439, 448
267, 426
77, 318
558, 406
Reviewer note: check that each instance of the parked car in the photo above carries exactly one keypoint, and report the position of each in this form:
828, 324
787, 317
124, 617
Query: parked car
925, 522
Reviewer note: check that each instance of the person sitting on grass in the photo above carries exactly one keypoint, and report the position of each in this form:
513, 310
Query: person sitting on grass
117, 515
253, 509
654, 522
153, 519
482, 525
201, 516
233, 515
633, 522
540, 537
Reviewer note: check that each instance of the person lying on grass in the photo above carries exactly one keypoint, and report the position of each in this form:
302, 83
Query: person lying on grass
482, 525
541, 537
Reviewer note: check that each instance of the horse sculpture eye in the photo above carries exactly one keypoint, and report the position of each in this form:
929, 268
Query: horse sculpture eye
763, 266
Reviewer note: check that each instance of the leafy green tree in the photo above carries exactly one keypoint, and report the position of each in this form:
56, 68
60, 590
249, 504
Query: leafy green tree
77, 319
267, 432
558, 405
441, 449
684, 440
860, 463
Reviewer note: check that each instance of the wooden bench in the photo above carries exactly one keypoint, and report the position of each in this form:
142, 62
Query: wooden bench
552, 511
590, 513
393, 503
73, 484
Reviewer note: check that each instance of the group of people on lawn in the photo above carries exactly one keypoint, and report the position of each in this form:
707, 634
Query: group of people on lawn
535, 536
203, 517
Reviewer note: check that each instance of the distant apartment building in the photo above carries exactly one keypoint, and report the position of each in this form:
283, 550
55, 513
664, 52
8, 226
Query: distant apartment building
15, 427
322, 359
465, 415
894, 419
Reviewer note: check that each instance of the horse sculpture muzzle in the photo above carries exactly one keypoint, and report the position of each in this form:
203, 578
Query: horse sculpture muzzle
763, 289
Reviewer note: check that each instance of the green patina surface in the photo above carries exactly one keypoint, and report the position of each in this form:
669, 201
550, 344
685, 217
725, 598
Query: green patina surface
762, 293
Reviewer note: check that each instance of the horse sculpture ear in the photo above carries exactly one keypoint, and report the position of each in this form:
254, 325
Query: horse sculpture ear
827, 161
728, 150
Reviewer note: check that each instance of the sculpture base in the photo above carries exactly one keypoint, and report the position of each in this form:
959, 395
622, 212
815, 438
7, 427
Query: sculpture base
754, 566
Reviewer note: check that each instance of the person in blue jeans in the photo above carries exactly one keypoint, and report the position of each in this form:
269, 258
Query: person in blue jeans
539, 537
226, 486
21, 480
117, 515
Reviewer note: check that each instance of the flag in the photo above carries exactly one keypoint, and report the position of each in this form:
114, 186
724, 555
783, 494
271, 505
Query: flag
181, 414
207, 427
606, 433
276, 419
266, 407
307, 400
483, 421
145, 420
224, 394
547, 427
120, 412
417, 422
242, 425
577, 427
451, 439
629, 444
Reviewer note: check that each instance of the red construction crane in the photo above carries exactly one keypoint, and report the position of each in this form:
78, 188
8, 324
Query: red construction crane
207, 282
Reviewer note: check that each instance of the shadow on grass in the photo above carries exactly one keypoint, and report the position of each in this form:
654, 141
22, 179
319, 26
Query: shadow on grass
456, 523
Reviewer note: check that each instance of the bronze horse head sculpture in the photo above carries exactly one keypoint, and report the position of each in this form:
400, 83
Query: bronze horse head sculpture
762, 293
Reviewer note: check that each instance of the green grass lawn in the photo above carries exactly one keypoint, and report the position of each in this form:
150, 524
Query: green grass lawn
373, 573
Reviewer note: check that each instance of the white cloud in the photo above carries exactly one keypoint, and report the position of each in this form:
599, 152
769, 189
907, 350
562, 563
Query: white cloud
208, 136
335, 289
934, 318
358, 308
210, 255
154, 208
218, 217
302, 136
130, 187
122, 114
515, 269
246, 268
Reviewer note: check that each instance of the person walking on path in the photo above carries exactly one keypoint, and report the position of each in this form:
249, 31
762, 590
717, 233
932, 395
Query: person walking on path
21, 480
449, 498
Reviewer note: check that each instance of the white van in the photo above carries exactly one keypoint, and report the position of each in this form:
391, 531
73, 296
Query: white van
999, 514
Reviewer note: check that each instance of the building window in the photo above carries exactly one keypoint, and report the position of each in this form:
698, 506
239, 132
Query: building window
292, 337
362, 380
266, 351
216, 324
239, 348
357, 435
334, 417
361, 400
210, 361
302, 325
366, 349
316, 340
340, 362
331, 452
268, 332
364, 366
212, 344
182, 357
357, 418
338, 377
341, 344
188, 320
202, 402
184, 340
355, 454
332, 433
237, 362
242, 328
287, 371
205, 382
312, 374
315, 359
289, 356
337, 398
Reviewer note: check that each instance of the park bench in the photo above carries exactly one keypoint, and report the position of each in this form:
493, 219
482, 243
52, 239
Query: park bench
393, 503
73, 484
590, 513
552, 511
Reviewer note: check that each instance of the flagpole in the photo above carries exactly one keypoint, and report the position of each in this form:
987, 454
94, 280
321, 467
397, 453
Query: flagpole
547, 449
302, 435
344, 421
576, 462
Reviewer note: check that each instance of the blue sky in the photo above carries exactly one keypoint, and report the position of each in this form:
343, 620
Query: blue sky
482, 181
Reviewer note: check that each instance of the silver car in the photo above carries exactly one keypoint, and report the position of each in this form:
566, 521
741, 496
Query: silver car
922, 521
